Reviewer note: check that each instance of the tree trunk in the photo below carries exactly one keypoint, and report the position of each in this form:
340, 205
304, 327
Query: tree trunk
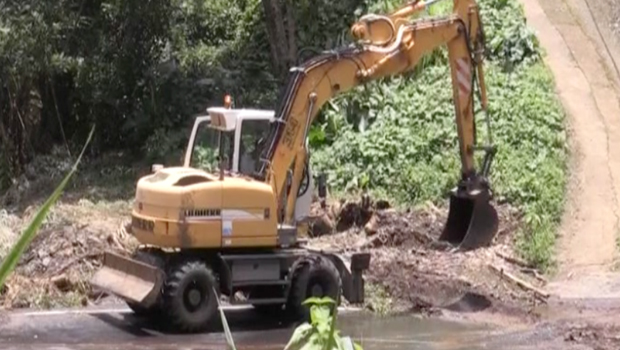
291, 32
282, 40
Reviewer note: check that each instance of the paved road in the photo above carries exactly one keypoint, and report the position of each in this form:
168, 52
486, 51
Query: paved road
117, 328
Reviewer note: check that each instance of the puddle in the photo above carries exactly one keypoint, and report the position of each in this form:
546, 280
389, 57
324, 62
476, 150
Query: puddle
410, 332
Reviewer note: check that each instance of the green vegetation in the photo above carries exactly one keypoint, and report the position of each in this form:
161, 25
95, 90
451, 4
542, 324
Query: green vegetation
141, 70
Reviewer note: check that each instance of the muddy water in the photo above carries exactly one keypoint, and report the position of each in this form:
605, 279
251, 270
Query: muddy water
413, 332
111, 329
114, 329
407, 332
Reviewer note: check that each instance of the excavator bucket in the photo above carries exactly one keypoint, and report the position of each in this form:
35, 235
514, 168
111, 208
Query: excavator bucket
472, 222
129, 279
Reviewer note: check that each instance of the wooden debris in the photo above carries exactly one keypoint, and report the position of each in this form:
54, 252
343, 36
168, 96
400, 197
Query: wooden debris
63, 268
513, 260
535, 274
521, 283
422, 236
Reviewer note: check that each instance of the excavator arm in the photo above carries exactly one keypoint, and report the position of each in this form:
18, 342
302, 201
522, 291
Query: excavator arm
388, 46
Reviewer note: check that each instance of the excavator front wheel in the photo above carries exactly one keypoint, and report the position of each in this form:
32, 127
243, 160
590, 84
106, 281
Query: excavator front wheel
472, 222
189, 300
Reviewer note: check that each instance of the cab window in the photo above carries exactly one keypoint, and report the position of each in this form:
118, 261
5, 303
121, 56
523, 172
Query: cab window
206, 148
252, 131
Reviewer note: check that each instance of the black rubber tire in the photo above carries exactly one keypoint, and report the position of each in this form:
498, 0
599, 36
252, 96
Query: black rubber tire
152, 257
312, 271
191, 274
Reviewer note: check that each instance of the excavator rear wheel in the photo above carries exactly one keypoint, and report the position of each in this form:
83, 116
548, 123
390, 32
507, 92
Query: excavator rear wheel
314, 276
189, 298
152, 257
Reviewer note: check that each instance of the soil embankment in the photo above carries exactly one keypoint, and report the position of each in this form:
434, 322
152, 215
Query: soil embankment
588, 235
581, 40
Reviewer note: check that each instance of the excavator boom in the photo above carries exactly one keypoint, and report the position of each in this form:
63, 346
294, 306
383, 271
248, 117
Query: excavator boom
390, 45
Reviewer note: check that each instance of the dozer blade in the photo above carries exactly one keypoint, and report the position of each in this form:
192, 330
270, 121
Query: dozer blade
472, 223
129, 279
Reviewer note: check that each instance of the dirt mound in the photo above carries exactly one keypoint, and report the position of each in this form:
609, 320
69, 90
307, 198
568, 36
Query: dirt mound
422, 274
55, 269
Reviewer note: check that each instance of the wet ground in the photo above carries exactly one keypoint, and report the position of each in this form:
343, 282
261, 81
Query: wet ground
116, 328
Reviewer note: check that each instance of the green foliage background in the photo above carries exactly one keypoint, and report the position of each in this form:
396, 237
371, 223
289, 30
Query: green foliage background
141, 70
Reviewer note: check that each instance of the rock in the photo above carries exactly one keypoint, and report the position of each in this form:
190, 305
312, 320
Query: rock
382, 204
372, 226
62, 282
321, 226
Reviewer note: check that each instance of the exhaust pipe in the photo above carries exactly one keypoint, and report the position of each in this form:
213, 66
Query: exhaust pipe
472, 221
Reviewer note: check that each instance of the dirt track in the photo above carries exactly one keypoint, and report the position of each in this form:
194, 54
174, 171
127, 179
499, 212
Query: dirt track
587, 246
572, 33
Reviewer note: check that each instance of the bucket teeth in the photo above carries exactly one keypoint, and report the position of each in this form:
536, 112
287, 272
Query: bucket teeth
472, 223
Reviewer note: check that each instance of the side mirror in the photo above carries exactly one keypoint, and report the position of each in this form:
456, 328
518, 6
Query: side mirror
156, 167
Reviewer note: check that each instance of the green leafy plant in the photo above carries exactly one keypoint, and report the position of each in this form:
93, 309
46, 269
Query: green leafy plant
318, 334
9, 263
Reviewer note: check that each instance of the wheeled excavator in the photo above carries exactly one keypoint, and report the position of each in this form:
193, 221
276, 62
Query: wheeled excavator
213, 234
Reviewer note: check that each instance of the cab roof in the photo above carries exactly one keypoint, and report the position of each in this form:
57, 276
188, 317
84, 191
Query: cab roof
225, 119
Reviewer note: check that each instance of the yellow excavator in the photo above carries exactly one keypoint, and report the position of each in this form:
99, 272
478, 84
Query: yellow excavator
227, 233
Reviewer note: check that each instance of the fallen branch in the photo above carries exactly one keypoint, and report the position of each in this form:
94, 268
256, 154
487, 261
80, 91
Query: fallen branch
535, 274
521, 283
73, 261
422, 237
513, 260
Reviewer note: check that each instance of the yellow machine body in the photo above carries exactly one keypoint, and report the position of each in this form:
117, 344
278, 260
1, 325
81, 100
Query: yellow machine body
189, 208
